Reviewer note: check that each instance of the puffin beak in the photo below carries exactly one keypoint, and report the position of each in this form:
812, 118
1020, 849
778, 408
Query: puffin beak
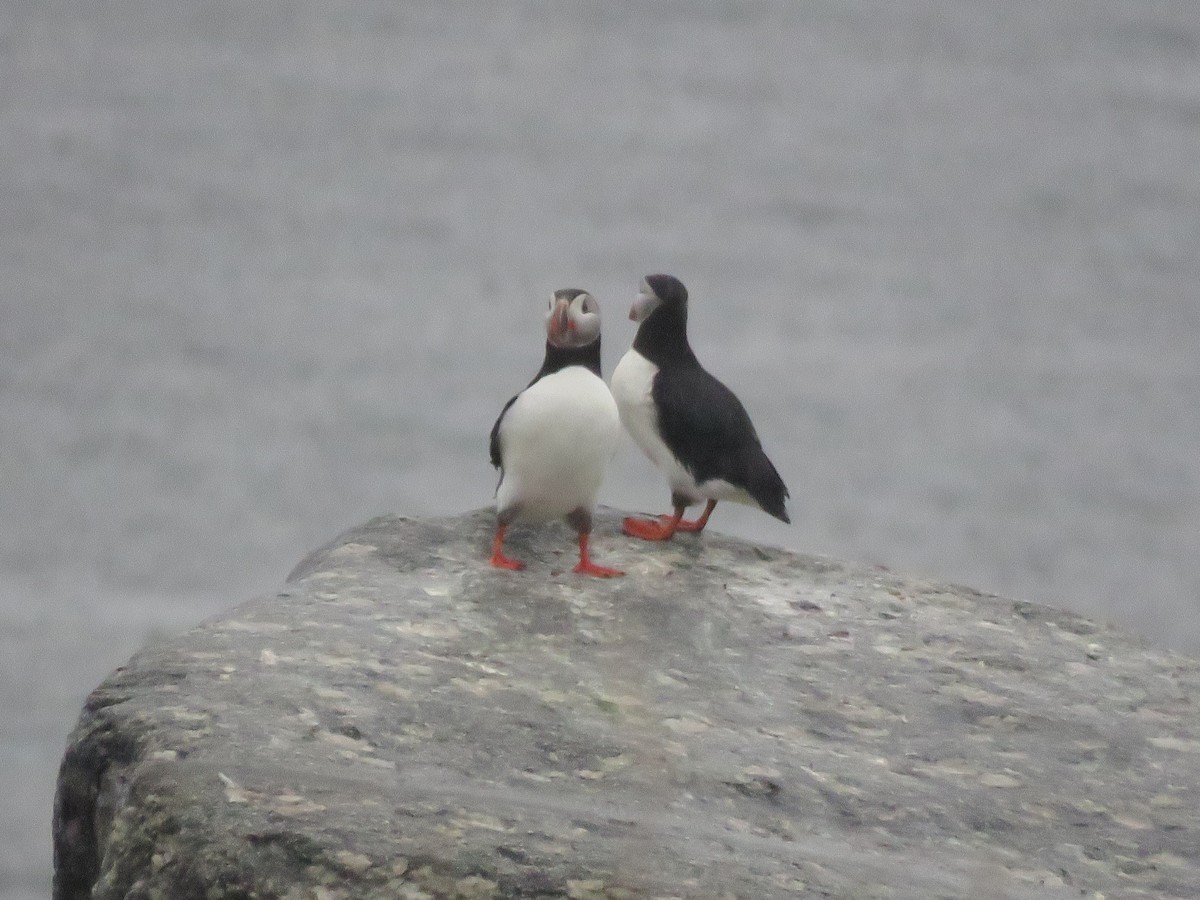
560, 322
646, 303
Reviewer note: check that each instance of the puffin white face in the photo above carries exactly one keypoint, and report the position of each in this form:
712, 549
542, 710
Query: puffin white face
647, 302
572, 318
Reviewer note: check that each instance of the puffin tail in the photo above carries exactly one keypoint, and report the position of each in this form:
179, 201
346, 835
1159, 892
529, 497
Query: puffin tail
766, 487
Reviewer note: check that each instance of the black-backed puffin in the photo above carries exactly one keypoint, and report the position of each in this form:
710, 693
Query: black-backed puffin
553, 441
690, 425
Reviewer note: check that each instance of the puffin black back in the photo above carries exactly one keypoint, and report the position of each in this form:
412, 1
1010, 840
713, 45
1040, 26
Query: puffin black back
710, 432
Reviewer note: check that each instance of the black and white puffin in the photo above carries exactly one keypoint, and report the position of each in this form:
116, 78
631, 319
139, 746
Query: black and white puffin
690, 425
553, 441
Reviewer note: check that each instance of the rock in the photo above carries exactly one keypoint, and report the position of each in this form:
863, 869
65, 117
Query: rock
402, 721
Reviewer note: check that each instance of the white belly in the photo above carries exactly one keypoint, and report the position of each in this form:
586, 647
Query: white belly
556, 440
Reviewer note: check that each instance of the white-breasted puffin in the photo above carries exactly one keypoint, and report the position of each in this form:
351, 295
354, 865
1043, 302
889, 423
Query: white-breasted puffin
553, 441
690, 425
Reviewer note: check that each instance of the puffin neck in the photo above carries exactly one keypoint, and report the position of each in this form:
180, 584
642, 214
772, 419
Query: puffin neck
662, 337
558, 358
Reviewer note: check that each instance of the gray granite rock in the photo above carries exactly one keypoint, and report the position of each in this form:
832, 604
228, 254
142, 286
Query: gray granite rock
402, 721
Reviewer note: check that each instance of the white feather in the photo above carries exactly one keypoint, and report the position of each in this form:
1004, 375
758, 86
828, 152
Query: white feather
556, 440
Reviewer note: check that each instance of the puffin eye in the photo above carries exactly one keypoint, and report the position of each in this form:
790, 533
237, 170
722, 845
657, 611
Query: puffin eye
551, 304
589, 305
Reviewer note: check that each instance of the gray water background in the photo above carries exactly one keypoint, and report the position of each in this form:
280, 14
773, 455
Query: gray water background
269, 269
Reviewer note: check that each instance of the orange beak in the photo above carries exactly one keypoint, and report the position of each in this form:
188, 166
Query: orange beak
643, 306
560, 322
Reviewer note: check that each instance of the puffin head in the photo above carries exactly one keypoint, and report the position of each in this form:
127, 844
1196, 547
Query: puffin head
572, 319
656, 291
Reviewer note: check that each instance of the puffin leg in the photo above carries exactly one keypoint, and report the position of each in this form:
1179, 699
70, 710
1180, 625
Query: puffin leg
587, 567
697, 524
660, 529
581, 521
499, 560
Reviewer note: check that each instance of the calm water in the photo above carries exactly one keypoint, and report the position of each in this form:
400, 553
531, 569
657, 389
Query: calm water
268, 269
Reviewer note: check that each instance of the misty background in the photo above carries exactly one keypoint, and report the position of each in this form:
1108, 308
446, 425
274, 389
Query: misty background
269, 269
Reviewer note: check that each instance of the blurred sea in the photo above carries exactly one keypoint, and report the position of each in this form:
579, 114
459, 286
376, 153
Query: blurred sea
269, 269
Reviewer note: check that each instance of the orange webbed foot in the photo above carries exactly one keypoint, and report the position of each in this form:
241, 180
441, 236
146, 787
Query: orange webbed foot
500, 561
587, 567
660, 529
590, 568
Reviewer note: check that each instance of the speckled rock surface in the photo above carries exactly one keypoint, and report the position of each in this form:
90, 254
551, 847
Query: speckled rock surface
726, 721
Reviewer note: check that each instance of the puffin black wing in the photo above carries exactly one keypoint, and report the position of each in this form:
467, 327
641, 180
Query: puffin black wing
494, 437
709, 431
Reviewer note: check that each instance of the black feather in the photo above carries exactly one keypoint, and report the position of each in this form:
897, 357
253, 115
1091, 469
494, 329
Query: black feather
711, 434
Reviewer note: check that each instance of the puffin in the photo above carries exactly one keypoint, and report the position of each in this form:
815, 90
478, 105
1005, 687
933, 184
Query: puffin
553, 441
691, 426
